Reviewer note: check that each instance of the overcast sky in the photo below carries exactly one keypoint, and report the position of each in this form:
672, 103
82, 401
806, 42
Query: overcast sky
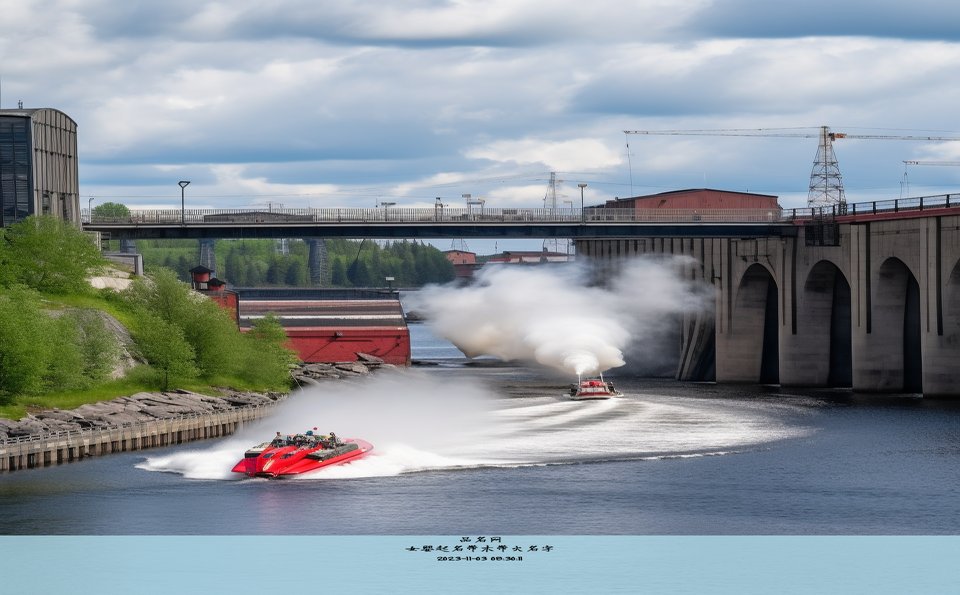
349, 103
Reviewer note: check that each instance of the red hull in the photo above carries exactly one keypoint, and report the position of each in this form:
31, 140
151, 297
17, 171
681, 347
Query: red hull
266, 460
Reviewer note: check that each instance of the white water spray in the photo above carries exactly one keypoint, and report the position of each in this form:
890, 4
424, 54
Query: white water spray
553, 316
411, 419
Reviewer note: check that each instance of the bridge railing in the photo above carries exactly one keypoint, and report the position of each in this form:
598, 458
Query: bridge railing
430, 215
876, 207
390, 215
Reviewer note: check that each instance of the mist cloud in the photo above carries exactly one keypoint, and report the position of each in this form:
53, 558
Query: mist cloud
556, 316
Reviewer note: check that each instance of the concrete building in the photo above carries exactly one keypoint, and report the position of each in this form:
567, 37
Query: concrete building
38, 165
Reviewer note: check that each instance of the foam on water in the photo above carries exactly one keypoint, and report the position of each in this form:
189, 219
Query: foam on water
419, 422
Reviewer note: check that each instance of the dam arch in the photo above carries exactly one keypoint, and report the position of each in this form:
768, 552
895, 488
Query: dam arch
893, 359
751, 347
825, 308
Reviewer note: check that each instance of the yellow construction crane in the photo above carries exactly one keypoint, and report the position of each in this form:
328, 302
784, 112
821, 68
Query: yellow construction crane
826, 183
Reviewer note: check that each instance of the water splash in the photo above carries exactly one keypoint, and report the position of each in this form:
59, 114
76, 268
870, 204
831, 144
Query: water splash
421, 422
557, 317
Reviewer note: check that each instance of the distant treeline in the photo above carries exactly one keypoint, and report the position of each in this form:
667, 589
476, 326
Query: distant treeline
351, 263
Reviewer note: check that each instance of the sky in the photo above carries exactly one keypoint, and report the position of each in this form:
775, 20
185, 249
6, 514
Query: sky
307, 103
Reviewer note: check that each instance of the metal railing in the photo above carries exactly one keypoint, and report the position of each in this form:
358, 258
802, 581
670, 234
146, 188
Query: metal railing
876, 207
500, 216
425, 216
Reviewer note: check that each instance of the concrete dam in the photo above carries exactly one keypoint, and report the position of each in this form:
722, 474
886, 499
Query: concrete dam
869, 301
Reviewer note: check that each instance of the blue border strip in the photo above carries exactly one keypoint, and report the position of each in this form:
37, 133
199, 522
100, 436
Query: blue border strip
462, 565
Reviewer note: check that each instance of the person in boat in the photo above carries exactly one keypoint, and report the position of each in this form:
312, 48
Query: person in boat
334, 441
277, 440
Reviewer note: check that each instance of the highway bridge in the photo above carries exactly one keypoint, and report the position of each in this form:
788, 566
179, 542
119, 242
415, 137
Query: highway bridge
447, 222
398, 223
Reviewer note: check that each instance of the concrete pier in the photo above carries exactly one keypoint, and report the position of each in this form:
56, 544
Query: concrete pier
29, 452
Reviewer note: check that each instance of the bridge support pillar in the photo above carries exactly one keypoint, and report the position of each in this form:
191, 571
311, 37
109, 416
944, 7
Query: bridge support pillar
317, 261
208, 257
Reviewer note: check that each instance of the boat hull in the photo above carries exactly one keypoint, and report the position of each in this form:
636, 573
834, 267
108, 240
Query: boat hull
592, 390
267, 461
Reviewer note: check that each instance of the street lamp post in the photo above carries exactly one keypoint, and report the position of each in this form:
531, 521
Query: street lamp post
183, 184
90, 209
386, 209
583, 215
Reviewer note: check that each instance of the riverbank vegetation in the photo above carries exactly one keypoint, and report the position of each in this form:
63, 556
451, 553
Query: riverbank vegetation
64, 343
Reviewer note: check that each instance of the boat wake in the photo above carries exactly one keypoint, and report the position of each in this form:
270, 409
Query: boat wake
418, 423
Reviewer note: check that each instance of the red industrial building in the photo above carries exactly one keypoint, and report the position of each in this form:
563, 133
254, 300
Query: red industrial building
323, 325
464, 263
334, 325
696, 198
528, 257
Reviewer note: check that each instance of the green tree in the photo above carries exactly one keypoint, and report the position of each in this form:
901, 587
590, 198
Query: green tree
22, 357
49, 255
99, 349
111, 210
163, 345
205, 326
265, 358
297, 275
338, 273
39, 350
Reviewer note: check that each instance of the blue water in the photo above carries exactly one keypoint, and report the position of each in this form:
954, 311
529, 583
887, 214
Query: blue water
483, 448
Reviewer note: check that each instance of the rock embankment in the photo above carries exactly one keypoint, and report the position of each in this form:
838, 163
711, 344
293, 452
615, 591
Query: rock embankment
150, 406
141, 407
307, 374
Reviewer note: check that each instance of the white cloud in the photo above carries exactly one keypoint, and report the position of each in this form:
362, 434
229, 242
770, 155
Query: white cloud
580, 153
353, 101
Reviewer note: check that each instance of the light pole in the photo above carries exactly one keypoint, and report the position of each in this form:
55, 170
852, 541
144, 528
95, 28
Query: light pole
386, 209
183, 184
90, 209
583, 215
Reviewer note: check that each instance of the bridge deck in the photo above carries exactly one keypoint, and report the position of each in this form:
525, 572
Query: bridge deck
440, 222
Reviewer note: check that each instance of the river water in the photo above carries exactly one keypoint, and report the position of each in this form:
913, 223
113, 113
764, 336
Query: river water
481, 447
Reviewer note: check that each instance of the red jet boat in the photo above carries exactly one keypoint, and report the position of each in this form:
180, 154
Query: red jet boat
300, 453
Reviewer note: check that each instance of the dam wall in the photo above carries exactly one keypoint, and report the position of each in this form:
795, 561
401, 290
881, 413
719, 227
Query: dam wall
874, 304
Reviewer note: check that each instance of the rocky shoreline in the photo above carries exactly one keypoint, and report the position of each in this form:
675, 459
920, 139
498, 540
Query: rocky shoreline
153, 406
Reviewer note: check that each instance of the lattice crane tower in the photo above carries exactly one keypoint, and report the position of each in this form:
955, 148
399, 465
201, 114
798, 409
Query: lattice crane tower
826, 183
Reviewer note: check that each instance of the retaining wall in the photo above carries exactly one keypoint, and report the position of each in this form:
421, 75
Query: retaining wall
43, 450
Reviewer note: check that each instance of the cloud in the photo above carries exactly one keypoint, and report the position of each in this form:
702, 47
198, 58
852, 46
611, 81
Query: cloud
920, 19
425, 98
584, 153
